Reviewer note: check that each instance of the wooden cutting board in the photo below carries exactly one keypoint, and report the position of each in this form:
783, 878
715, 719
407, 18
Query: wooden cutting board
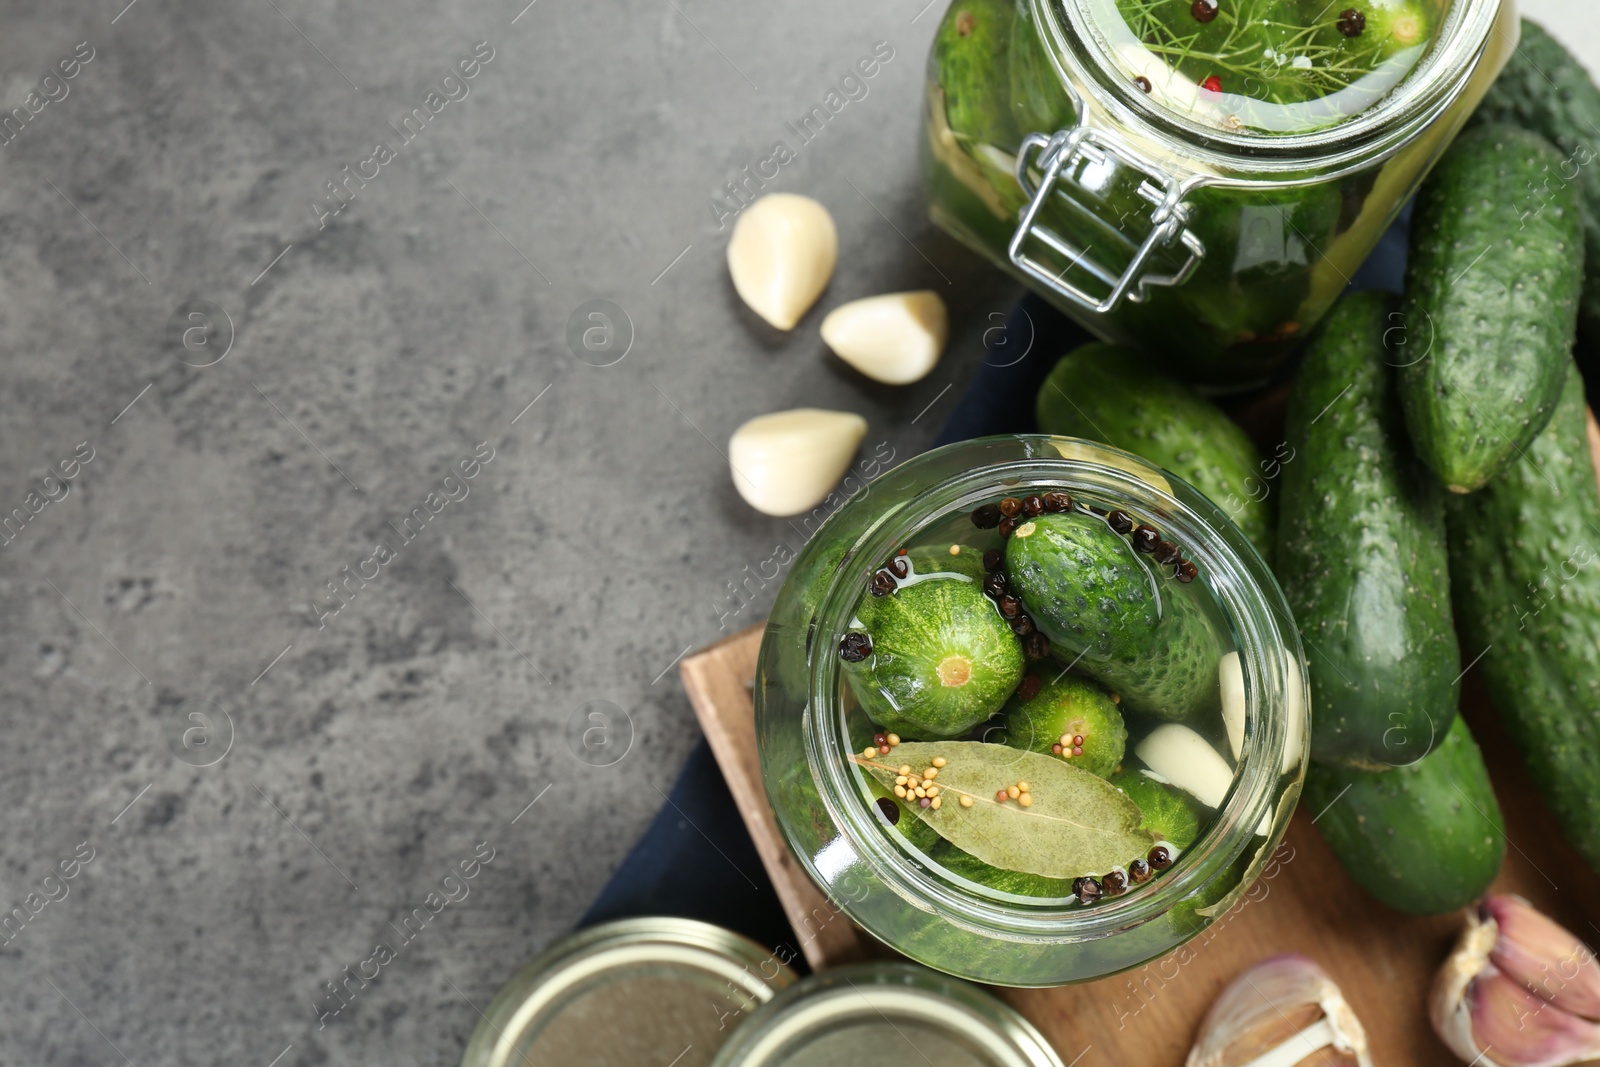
1304, 903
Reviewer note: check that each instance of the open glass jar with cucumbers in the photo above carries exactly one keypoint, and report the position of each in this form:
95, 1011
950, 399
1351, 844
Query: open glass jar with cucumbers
1200, 178
1031, 711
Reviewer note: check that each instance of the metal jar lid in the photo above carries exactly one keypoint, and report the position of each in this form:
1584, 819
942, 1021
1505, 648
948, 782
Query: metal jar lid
626, 994
886, 1013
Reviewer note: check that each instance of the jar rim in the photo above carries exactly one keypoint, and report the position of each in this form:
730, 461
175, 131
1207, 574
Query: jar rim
1263, 630
1086, 67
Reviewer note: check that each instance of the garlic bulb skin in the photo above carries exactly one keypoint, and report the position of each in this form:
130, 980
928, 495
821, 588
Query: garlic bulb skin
1281, 1012
1517, 991
895, 339
781, 256
787, 462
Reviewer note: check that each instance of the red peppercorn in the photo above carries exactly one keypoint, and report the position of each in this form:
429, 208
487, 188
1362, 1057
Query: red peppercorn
880, 738
1203, 10
1212, 84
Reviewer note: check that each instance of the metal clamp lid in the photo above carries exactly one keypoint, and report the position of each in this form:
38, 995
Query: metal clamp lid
1168, 220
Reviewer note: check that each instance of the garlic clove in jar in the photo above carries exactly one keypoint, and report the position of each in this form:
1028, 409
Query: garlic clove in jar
1510, 993
1179, 755
1231, 675
787, 462
895, 339
781, 256
1282, 1012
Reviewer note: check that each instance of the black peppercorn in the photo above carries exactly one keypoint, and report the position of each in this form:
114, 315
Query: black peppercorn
1203, 10
1022, 626
1160, 857
1352, 23
986, 517
1114, 883
1057, 502
1029, 688
1166, 552
1145, 538
995, 585
993, 560
1007, 527
1032, 505
1143, 83
1119, 521
1139, 872
899, 567
1186, 571
855, 646
890, 810
882, 583
1087, 889
1011, 507
1036, 645
1010, 606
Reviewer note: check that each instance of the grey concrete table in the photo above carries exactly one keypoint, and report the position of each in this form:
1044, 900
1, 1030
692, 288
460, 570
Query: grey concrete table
244, 347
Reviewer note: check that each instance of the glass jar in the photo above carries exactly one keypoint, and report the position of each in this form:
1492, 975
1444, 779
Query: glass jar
1202, 224
807, 728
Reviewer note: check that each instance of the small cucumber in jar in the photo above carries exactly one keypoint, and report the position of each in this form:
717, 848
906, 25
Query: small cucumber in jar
1109, 393
932, 658
970, 58
1523, 555
1424, 839
1067, 717
1491, 304
1362, 552
1544, 88
1168, 813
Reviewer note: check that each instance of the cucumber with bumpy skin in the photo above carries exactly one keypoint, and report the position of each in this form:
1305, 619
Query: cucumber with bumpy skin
970, 61
1523, 559
1545, 89
1492, 300
1425, 839
1075, 709
1109, 393
1362, 552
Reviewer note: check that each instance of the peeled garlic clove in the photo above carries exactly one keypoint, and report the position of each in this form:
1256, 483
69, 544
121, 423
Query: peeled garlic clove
1180, 756
1489, 1016
895, 339
781, 256
1544, 956
1231, 675
787, 462
1281, 1012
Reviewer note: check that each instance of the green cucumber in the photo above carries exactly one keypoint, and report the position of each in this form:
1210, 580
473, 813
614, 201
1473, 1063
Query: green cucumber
1170, 814
1021, 883
1116, 615
942, 658
1545, 89
1108, 393
1069, 707
970, 60
1039, 104
1492, 302
1425, 839
1527, 579
1362, 552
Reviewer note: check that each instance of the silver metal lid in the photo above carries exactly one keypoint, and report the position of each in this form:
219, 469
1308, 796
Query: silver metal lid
886, 1013
629, 994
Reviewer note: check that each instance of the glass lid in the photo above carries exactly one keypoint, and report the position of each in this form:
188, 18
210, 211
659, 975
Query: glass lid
891, 1013
1267, 66
639, 991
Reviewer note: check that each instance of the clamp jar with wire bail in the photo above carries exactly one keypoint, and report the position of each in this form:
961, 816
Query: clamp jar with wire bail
1198, 178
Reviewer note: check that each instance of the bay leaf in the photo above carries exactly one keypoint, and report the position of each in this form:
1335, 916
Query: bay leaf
1079, 824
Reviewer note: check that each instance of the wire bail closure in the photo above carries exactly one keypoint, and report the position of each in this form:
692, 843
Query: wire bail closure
1051, 155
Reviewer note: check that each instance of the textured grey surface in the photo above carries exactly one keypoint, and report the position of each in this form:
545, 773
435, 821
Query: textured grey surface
379, 750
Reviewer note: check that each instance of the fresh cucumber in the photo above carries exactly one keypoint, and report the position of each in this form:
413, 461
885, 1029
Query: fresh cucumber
1362, 552
1527, 579
1425, 839
1107, 393
1492, 303
1064, 710
1545, 89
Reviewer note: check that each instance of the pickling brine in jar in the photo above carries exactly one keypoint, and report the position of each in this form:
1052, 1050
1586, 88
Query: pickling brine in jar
1200, 178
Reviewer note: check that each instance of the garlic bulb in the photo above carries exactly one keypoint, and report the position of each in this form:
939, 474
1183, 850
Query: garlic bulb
1281, 1012
787, 462
895, 339
781, 256
1518, 991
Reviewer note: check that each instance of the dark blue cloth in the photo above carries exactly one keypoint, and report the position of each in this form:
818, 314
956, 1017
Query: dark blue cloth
696, 860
